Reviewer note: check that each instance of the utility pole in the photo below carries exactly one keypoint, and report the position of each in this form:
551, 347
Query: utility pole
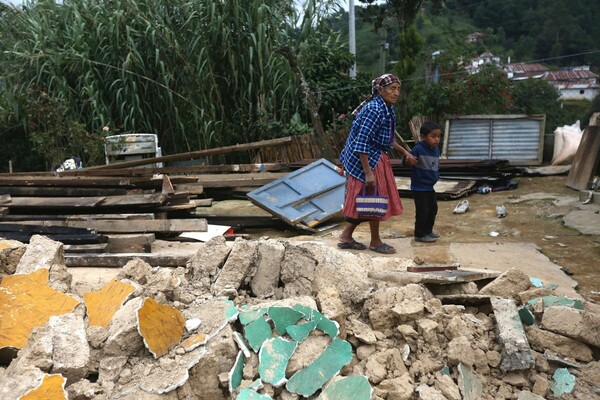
383, 49
352, 37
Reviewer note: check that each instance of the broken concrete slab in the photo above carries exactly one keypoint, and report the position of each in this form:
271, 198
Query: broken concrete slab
516, 353
509, 284
273, 358
36, 302
541, 340
310, 379
11, 252
268, 268
208, 260
235, 270
123, 335
565, 321
41, 253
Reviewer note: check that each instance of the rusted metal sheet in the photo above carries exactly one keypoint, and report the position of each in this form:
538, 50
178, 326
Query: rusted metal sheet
517, 138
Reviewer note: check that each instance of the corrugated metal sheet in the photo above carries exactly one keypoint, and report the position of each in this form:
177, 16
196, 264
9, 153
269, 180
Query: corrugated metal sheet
516, 138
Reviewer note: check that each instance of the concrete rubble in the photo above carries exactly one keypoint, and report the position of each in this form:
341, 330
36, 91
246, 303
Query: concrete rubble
270, 319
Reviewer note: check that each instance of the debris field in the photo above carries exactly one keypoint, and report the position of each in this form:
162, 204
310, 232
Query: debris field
271, 319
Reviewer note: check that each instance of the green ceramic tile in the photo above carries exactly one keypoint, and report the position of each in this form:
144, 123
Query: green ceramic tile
257, 332
311, 378
557, 301
300, 332
328, 326
283, 317
251, 315
273, 360
472, 388
249, 394
236, 373
562, 382
350, 387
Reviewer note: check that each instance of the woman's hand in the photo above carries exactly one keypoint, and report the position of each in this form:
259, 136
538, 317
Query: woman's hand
370, 179
410, 160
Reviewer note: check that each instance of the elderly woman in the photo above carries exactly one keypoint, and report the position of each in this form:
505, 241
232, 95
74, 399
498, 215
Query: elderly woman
367, 164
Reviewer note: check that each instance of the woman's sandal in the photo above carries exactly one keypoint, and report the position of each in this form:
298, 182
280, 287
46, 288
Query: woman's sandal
383, 249
353, 245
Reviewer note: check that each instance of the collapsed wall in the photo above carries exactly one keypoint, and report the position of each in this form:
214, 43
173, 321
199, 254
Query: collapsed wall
270, 319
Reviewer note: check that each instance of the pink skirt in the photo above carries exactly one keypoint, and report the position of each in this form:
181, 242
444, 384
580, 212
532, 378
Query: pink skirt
386, 186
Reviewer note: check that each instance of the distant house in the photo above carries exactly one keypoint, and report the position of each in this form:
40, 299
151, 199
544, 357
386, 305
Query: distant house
484, 58
475, 37
577, 83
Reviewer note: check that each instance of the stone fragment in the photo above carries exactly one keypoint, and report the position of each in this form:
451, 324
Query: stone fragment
562, 382
161, 326
70, 348
192, 324
137, 270
516, 353
273, 358
215, 314
590, 325
257, 332
85, 390
307, 352
400, 388
310, 379
508, 284
249, 394
447, 387
11, 252
205, 264
460, 351
268, 268
532, 293
123, 335
566, 321
36, 302
236, 374
527, 395
331, 304
409, 310
541, 340
349, 387
41, 253
515, 379
298, 269
52, 387
429, 393
101, 305
540, 386
526, 316
362, 331
241, 259
469, 383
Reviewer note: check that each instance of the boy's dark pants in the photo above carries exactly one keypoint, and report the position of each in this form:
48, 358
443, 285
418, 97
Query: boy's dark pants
426, 209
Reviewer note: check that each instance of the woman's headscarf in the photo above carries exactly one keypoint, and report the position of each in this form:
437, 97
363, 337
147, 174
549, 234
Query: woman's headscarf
376, 84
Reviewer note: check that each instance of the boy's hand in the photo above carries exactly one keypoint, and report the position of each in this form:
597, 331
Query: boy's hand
410, 160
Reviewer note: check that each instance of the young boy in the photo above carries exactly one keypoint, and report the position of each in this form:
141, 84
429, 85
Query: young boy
422, 178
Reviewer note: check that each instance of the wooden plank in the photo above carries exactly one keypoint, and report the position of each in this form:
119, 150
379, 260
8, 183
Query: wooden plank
203, 202
78, 181
130, 226
34, 191
193, 169
3, 210
235, 180
431, 268
154, 199
43, 229
24, 237
73, 217
55, 202
191, 188
586, 161
5, 198
86, 248
441, 277
197, 154
108, 260
127, 243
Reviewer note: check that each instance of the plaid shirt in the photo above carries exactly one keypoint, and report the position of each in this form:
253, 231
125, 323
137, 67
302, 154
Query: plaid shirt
372, 132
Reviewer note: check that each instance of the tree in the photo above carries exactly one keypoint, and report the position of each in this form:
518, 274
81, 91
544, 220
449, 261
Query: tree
536, 96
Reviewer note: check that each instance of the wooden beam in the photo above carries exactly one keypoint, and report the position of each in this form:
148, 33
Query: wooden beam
77, 181
108, 260
35, 191
85, 248
5, 198
130, 226
196, 154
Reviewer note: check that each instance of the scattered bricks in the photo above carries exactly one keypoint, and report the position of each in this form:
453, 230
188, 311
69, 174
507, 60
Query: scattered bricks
268, 268
509, 284
541, 340
516, 354
565, 321
41, 253
241, 259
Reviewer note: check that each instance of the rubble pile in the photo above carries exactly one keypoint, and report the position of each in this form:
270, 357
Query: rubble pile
270, 319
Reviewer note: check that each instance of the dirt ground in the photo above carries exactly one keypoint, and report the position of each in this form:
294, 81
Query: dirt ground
534, 216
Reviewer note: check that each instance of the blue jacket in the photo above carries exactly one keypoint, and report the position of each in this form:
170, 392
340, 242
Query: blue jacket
427, 171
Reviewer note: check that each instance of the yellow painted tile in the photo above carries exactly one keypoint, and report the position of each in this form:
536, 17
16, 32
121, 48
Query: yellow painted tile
104, 303
26, 302
52, 387
194, 341
160, 325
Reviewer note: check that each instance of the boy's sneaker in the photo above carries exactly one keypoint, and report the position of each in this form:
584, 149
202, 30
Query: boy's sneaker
425, 239
434, 234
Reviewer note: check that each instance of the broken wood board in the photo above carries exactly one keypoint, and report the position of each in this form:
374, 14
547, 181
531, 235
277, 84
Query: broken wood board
80, 181
126, 243
118, 260
466, 299
130, 226
191, 169
586, 161
441, 277
235, 180
23, 191
55, 202
86, 248
425, 268
5, 198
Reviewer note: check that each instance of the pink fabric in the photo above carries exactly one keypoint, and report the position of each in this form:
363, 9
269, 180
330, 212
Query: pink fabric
386, 186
